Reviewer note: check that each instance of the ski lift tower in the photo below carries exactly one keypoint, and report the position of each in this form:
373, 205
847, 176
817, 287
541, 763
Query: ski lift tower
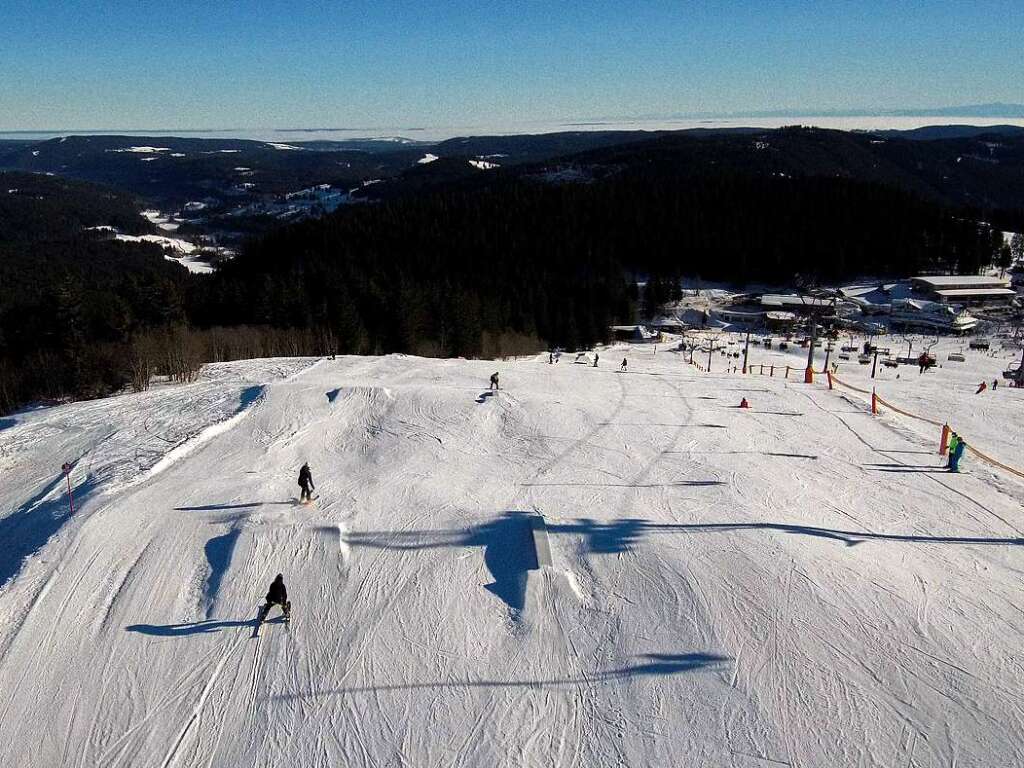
816, 303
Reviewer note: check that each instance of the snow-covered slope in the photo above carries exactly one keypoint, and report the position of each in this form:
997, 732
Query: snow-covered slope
587, 568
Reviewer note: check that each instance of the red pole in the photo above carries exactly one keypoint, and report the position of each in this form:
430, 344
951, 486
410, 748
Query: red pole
71, 497
944, 440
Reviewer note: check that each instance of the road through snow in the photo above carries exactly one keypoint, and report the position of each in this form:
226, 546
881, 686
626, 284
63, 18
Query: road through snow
797, 584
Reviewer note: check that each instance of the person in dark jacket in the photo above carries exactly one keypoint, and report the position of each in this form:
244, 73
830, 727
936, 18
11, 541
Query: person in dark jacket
306, 483
278, 595
494, 381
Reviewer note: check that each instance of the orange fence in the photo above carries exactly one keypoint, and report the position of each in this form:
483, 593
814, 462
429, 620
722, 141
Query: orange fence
876, 400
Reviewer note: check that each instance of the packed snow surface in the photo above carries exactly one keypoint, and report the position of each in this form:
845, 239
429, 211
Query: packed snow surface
587, 568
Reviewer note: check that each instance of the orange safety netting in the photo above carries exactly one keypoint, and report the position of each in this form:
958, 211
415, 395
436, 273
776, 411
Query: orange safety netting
983, 456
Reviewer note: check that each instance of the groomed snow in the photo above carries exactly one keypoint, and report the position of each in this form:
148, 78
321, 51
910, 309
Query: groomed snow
793, 584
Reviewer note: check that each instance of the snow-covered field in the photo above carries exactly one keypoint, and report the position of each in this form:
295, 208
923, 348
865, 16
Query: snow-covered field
587, 568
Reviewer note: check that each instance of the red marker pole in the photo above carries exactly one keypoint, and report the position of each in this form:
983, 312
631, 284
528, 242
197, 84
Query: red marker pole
71, 497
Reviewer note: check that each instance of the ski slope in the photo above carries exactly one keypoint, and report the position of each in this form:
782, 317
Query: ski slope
588, 568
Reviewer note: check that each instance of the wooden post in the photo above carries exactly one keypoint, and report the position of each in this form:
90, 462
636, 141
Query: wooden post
828, 374
874, 402
66, 468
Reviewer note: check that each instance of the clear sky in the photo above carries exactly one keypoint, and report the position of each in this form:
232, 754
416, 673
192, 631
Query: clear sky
136, 64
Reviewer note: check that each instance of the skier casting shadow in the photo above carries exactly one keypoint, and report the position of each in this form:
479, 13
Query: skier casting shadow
277, 595
306, 484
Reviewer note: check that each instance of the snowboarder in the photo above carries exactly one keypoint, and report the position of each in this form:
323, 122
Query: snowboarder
623, 366
494, 381
956, 454
306, 483
278, 595
551, 358
954, 438
596, 358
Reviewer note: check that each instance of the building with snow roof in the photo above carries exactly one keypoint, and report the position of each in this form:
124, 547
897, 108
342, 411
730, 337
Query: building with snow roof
970, 290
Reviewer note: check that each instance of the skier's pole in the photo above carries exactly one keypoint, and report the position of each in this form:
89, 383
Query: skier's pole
71, 497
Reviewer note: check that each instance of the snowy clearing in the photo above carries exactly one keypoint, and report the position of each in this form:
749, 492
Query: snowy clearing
586, 568
142, 150
174, 243
484, 165
427, 158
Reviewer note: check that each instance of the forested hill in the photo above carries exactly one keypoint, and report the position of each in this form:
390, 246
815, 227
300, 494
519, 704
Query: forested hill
71, 296
552, 259
977, 170
501, 261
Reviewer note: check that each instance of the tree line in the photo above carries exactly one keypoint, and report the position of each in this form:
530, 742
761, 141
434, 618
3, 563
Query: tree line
507, 267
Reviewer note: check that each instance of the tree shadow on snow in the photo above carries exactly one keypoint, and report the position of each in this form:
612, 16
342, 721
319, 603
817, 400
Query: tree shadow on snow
648, 665
218, 552
507, 541
7, 423
611, 537
25, 530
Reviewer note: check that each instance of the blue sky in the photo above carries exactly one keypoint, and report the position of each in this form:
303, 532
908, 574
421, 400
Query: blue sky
188, 65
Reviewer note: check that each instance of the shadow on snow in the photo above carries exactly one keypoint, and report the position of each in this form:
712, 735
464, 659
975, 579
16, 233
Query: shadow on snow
649, 665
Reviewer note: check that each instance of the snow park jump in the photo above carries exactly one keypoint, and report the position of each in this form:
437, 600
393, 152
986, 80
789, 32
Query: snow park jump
588, 566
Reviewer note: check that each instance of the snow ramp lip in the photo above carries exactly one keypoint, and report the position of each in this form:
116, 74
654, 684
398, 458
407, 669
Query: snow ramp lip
250, 398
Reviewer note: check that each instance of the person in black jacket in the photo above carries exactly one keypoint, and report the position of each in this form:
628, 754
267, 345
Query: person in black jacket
306, 483
278, 595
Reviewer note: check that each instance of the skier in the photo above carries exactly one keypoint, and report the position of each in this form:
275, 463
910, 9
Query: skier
954, 439
278, 595
306, 483
982, 387
623, 367
551, 358
595, 359
956, 454
494, 381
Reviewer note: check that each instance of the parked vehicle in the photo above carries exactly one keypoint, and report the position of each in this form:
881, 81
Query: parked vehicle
956, 357
979, 343
890, 363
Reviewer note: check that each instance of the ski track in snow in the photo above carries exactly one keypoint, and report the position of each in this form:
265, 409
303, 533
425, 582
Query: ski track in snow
789, 585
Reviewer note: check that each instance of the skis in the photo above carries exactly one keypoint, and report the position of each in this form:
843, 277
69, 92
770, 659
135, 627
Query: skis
264, 610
